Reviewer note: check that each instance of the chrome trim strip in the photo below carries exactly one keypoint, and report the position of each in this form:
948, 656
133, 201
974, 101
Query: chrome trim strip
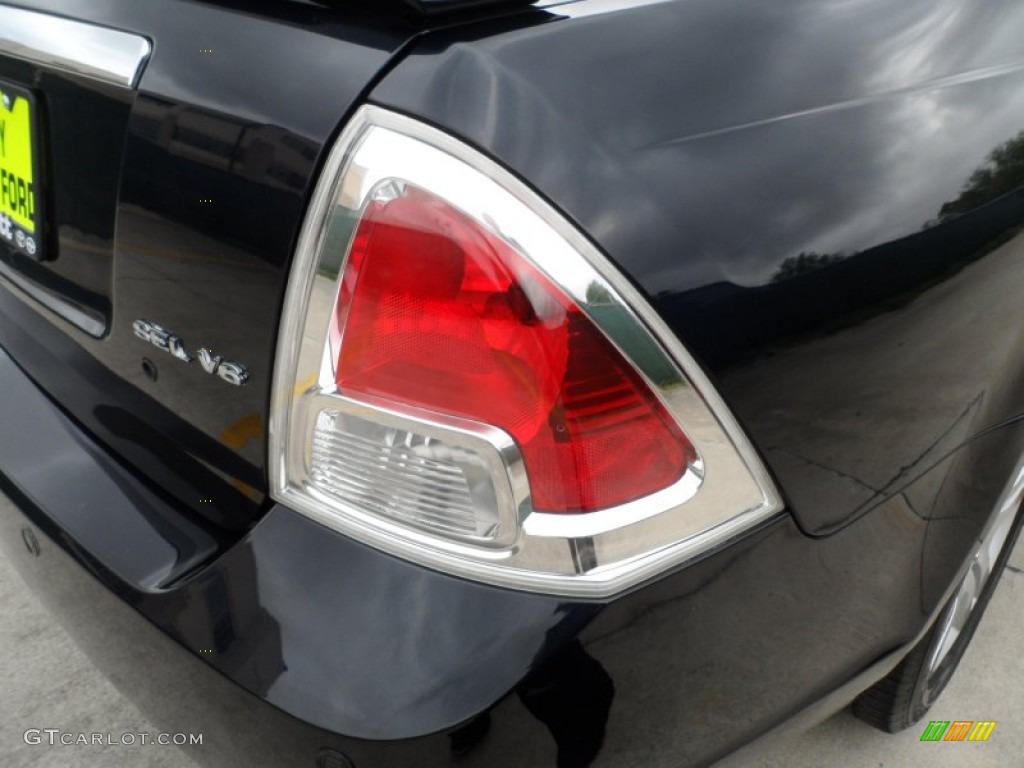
90, 322
74, 47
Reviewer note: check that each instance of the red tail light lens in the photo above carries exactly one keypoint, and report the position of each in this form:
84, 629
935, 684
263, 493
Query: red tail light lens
465, 381
437, 312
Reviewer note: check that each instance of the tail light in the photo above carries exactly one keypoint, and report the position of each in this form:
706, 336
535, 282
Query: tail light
464, 381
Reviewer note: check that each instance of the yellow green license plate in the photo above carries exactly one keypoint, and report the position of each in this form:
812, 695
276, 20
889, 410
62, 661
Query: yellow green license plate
21, 223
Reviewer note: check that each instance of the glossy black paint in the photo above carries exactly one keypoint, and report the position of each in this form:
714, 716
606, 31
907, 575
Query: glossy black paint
363, 644
797, 205
440, 6
205, 170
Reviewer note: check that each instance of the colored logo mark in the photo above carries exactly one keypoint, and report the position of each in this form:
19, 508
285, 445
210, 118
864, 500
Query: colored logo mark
958, 730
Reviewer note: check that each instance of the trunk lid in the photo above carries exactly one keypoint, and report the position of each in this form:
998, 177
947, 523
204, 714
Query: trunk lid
172, 199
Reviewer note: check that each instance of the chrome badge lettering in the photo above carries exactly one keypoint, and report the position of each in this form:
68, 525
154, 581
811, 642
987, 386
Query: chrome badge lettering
161, 338
208, 360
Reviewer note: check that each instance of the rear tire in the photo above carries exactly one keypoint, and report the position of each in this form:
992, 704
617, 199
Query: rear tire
904, 696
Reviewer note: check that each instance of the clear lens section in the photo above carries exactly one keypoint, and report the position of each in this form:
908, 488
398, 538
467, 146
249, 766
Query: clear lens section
404, 476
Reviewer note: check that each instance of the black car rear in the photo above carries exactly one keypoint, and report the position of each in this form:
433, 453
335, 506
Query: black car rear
804, 243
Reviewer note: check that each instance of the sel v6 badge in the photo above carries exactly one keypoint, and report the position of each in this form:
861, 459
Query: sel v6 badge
161, 338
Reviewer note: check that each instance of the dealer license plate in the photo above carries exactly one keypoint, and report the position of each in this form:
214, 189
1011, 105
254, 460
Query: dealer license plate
21, 224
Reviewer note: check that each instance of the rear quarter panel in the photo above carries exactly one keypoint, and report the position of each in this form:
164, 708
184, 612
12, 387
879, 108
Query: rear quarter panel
824, 200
